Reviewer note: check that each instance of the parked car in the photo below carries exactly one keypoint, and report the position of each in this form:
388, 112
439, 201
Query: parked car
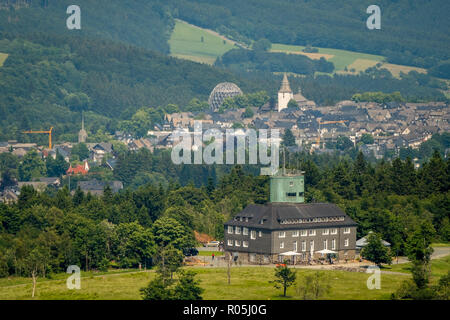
212, 244
190, 252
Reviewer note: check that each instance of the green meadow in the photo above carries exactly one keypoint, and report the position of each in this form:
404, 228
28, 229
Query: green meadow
246, 283
340, 58
3, 57
205, 46
439, 267
197, 44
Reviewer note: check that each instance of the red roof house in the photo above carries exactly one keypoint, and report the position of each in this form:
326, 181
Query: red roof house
82, 169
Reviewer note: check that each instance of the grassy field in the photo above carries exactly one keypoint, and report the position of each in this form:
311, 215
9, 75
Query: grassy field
439, 267
353, 61
186, 43
3, 57
246, 283
340, 58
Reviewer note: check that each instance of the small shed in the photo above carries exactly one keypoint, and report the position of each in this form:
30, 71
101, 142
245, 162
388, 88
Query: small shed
361, 243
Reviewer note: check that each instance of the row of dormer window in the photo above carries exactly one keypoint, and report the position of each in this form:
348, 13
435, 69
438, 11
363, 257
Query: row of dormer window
312, 232
241, 219
312, 220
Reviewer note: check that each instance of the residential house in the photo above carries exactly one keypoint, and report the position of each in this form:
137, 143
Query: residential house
79, 169
96, 187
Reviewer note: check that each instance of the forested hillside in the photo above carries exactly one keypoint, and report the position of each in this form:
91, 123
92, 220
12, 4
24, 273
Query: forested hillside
51, 73
47, 81
139, 22
238, 59
412, 32
60, 229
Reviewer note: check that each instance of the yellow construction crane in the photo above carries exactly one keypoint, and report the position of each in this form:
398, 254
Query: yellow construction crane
326, 122
49, 132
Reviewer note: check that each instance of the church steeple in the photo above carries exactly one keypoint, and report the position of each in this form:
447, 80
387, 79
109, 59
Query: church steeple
285, 87
284, 94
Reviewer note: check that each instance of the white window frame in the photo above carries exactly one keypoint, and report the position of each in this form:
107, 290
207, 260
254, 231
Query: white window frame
281, 234
304, 233
333, 244
245, 244
259, 234
325, 232
325, 244
230, 242
282, 245
311, 245
245, 231
230, 229
294, 247
346, 230
237, 230
334, 231
237, 243
252, 234
295, 233
304, 245
312, 232
346, 242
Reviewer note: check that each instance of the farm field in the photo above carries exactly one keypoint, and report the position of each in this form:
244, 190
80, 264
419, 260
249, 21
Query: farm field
186, 43
340, 58
246, 283
353, 61
3, 57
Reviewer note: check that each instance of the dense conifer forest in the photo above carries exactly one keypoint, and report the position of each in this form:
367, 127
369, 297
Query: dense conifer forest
124, 229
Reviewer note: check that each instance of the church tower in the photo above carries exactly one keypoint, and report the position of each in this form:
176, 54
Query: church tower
284, 94
82, 135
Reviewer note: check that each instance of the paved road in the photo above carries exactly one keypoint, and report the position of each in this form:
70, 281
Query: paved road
438, 252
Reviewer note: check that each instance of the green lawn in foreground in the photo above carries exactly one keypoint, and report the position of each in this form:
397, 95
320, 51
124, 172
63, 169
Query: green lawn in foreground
185, 42
3, 57
246, 283
341, 58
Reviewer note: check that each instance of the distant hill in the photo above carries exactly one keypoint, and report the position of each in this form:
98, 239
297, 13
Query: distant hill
412, 32
47, 81
143, 23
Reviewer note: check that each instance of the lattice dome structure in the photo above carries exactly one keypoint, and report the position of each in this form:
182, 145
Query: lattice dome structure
221, 92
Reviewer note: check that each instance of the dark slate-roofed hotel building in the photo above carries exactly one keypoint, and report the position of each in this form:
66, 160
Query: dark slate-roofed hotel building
260, 233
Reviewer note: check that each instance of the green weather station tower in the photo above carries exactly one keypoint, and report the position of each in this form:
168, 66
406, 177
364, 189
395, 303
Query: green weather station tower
288, 186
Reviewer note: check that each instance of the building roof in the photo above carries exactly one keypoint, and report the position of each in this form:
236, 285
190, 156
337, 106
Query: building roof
97, 185
276, 216
79, 169
285, 87
363, 242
